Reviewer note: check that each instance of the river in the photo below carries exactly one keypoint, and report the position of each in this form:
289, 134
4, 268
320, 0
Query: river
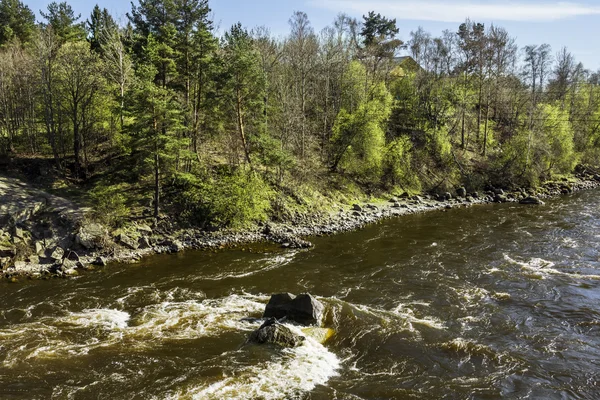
495, 301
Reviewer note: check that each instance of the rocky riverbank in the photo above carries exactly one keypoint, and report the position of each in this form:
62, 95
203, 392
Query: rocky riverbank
44, 236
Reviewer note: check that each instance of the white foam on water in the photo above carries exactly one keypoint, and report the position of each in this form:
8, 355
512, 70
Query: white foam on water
570, 243
469, 348
194, 319
402, 312
97, 317
77, 333
297, 371
267, 264
539, 268
493, 270
151, 293
472, 295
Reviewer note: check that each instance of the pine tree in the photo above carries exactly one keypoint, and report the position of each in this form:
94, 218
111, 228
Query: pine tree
63, 21
16, 21
156, 125
100, 25
244, 83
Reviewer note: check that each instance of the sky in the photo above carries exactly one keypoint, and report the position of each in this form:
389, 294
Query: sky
571, 23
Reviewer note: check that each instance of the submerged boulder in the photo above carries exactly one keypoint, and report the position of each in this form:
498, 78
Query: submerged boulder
531, 200
100, 261
500, 198
321, 335
303, 309
293, 242
272, 332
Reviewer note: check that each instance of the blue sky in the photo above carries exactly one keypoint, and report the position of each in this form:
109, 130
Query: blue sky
572, 23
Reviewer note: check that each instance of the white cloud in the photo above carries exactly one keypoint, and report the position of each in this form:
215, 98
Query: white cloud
458, 10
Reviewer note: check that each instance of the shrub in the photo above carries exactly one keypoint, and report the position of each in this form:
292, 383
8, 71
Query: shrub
109, 204
397, 164
235, 199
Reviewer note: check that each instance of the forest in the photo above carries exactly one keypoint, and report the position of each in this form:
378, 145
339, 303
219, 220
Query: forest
161, 115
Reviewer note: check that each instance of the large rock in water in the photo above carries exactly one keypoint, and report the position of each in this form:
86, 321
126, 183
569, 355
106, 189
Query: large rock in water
272, 332
303, 309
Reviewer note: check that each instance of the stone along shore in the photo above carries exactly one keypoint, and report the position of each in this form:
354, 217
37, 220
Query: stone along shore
44, 236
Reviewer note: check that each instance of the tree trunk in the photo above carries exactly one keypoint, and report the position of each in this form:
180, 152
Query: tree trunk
156, 186
240, 121
462, 130
485, 130
479, 101
76, 143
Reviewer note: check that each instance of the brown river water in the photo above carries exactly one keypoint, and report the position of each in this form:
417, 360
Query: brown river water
495, 301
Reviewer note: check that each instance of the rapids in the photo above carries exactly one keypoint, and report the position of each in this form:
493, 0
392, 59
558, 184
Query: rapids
495, 301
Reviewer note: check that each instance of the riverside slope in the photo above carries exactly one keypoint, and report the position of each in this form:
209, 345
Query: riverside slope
43, 236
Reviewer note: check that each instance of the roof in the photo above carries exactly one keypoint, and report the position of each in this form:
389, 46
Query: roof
408, 63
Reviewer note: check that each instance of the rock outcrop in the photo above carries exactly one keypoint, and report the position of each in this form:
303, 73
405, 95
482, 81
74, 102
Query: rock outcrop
127, 242
91, 236
303, 309
273, 332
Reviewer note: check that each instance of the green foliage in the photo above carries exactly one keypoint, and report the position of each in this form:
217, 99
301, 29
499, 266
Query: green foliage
157, 115
538, 153
270, 152
398, 164
109, 204
100, 25
16, 21
241, 198
201, 123
584, 111
233, 200
358, 132
552, 149
510, 166
439, 146
244, 87
63, 21
379, 35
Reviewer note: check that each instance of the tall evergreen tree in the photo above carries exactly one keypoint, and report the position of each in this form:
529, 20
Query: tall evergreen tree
379, 41
244, 84
157, 18
16, 21
99, 25
64, 22
156, 121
